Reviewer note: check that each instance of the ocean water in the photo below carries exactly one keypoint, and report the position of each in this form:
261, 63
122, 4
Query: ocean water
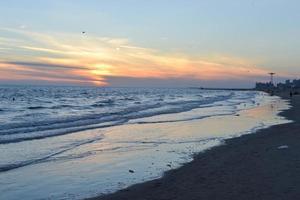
28, 113
77, 142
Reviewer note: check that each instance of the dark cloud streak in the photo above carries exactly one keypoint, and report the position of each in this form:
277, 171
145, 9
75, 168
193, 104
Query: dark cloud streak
44, 65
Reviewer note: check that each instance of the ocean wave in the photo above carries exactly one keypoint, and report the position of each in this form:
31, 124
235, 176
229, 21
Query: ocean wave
98, 105
34, 125
45, 158
36, 107
63, 106
61, 154
183, 120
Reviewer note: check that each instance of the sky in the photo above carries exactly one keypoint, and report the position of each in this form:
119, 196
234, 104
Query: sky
149, 43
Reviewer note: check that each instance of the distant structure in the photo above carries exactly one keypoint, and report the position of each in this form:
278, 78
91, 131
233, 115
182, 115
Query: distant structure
264, 86
272, 75
268, 86
288, 85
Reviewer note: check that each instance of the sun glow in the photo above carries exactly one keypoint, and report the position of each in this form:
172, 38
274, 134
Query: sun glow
101, 70
90, 59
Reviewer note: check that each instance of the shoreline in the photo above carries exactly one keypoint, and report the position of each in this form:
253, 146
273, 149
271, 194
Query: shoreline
247, 167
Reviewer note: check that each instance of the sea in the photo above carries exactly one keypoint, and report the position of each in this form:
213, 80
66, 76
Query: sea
67, 142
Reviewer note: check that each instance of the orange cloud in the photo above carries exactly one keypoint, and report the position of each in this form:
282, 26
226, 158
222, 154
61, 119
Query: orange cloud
100, 57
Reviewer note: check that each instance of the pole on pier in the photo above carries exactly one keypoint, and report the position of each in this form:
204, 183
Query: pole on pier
272, 76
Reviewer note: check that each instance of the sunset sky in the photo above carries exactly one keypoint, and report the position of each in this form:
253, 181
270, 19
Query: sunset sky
155, 43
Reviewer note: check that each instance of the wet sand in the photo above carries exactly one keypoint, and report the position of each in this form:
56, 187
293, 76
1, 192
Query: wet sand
248, 167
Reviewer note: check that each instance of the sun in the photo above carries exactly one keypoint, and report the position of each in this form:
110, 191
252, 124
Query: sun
101, 70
